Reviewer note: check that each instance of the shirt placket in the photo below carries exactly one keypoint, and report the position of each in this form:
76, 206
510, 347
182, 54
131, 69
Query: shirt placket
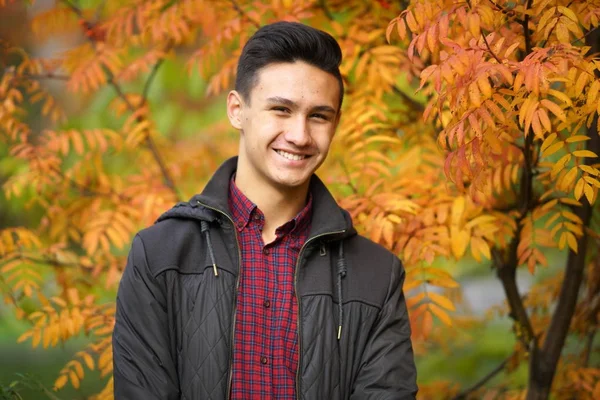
264, 304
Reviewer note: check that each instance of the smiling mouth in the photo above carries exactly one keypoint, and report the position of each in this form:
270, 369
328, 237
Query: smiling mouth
290, 156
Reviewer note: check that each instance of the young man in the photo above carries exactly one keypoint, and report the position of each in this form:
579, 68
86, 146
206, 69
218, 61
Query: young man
260, 288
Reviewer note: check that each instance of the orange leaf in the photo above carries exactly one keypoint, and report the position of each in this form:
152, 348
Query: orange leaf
440, 313
443, 301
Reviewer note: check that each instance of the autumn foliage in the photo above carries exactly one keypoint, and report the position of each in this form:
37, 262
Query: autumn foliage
469, 131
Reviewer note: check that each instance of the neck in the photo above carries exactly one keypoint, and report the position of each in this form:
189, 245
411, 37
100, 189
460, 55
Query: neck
279, 205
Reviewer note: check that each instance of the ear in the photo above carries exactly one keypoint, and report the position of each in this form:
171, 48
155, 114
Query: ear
235, 108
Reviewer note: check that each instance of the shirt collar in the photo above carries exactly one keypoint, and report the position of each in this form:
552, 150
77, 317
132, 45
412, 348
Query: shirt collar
243, 210
240, 206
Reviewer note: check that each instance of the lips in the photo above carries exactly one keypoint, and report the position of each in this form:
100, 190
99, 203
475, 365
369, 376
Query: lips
291, 156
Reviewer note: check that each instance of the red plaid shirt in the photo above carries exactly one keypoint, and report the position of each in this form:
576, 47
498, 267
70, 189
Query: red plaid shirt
265, 355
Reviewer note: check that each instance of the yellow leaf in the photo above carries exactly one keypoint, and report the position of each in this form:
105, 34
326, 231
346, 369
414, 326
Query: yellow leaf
554, 109
458, 208
577, 138
480, 220
441, 314
89, 361
443, 301
561, 96
569, 178
592, 181
589, 193
482, 247
590, 170
78, 369
562, 33
568, 13
578, 192
60, 382
74, 379
24, 336
584, 153
552, 149
388, 232
548, 141
442, 281
511, 49
459, 241
569, 201
562, 241
560, 164
571, 216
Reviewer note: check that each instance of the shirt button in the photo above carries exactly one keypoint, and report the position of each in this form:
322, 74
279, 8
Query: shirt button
266, 251
264, 360
240, 224
267, 303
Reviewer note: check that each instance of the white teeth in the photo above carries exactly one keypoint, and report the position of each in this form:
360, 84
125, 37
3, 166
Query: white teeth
290, 156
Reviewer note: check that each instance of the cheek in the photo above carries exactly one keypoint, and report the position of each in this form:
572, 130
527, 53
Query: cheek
323, 139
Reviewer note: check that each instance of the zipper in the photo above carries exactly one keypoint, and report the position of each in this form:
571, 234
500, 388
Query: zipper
237, 285
298, 313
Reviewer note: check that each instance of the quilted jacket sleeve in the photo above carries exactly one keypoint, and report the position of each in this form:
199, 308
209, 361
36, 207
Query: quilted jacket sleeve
144, 367
388, 369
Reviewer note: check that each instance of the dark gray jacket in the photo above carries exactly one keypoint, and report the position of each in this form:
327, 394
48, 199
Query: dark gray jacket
176, 307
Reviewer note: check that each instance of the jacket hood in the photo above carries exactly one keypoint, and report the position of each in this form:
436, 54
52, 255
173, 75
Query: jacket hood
327, 219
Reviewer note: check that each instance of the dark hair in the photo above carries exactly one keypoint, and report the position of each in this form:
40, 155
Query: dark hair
282, 42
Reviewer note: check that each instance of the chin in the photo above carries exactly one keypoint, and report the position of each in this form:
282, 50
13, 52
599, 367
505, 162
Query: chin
292, 183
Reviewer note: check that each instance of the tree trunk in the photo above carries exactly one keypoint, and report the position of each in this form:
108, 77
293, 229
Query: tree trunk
543, 360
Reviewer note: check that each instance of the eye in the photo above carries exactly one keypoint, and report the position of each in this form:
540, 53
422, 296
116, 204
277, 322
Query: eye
281, 109
320, 116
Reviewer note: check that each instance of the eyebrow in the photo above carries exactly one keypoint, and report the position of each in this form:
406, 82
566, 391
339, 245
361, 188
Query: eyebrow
293, 104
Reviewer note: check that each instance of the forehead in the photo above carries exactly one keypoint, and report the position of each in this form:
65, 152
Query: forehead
298, 81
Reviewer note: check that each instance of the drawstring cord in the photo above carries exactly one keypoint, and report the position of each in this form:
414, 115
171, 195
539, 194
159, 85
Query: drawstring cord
341, 273
211, 253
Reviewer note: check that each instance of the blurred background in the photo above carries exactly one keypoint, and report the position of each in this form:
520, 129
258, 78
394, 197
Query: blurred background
169, 84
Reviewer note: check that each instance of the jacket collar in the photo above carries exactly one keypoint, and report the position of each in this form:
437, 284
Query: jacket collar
327, 216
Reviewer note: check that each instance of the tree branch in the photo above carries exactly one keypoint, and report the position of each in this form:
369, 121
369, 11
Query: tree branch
544, 364
464, 394
526, 32
110, 78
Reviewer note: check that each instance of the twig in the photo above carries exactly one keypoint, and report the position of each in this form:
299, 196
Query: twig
463, 395
506, 11
489, 48
354, 189
415, 104
150, 79
584, 36
47, 261
239, 10
49, 75
587, 352
325, 9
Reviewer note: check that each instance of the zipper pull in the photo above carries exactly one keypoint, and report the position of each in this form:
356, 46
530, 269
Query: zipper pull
323, 250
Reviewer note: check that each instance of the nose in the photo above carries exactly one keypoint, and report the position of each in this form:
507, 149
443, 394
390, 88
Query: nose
298, 132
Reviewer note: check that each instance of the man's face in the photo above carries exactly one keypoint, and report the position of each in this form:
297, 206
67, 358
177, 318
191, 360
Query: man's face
288, 125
